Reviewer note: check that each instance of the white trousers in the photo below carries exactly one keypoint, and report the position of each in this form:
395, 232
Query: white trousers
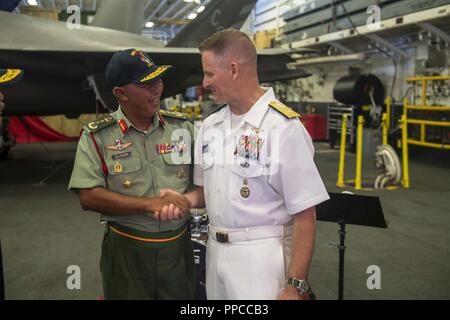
246, 270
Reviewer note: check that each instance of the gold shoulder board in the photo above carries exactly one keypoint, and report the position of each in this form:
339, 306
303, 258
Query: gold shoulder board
283, 109
173, 114
101, 123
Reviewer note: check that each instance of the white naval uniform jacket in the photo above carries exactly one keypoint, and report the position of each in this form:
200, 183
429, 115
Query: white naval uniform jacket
281, 181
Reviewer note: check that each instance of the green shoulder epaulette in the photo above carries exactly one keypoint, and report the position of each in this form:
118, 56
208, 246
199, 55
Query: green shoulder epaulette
101, 123
283, 109
174, 114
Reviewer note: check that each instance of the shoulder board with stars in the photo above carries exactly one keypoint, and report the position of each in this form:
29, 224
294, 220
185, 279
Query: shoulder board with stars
283, 109
174, 114
101, 123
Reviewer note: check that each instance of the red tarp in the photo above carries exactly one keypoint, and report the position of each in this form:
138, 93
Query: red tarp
32, 129
316, 125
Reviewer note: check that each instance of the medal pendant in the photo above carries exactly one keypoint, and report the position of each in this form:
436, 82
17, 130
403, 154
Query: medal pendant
245, 192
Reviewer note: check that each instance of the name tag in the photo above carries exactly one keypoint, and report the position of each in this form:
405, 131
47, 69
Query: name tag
121, 155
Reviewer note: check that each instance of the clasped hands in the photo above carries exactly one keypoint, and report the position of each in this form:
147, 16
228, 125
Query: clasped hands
171, 205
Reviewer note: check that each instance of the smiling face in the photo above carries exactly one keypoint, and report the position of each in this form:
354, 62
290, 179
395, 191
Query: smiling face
143, 100
218, 77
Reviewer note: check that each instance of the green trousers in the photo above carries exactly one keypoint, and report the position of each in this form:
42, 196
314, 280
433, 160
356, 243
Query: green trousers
135, 269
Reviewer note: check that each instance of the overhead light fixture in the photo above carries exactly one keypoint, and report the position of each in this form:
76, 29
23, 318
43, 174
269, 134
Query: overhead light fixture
32, 2
188, 0
149, 24
192, 16
344, 58
200, 9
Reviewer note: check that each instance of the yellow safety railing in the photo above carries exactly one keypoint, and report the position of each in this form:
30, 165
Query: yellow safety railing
359, 139
385, 127
358, 179
388, 111
341, 182
385, 124
424, 107
405, 159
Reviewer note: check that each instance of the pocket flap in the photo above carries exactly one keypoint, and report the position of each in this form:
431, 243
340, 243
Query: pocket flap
251, 171
124, 166
176, 159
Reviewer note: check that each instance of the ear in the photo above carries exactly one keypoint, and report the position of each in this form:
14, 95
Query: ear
120, 93
235, 70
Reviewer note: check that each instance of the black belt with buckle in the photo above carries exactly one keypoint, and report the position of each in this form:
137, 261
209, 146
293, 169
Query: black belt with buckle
222, 237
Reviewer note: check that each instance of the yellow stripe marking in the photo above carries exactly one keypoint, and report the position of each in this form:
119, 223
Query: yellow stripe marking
146, 239
9, 75
155, 73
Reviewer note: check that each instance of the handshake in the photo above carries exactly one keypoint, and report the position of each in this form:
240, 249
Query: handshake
171, 205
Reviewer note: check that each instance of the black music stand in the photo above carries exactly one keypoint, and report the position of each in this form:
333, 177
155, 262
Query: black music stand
345, 208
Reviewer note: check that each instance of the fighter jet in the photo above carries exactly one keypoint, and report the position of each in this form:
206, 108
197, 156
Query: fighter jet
65, 68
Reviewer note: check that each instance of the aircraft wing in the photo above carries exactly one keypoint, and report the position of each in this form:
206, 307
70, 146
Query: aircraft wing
64, 68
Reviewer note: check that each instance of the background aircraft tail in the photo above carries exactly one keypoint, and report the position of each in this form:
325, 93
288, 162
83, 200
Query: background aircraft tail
120, 15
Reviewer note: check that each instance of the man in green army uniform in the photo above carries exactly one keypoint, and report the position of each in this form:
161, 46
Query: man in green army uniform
124, 163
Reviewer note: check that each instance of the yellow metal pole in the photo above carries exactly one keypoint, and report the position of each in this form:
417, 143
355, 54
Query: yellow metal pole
405, 158
340, 182
384, 124
405, 106
411, 79
422, 132
424, 92
429, 144
359, 153
429, 122
388, 111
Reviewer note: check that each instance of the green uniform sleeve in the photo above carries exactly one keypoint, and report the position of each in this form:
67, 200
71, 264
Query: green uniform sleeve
87, 169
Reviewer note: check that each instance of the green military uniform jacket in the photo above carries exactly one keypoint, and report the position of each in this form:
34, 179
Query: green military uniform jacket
115, 155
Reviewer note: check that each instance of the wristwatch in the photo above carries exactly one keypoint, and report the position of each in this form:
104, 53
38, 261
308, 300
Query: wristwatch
301, 285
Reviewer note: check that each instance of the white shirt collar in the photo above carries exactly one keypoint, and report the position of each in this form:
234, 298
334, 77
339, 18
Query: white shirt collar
256, 113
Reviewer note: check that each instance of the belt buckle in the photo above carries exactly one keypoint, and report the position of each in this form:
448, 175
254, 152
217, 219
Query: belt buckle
222, 237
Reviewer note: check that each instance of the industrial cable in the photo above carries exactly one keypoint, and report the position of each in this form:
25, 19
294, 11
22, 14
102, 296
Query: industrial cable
373, 44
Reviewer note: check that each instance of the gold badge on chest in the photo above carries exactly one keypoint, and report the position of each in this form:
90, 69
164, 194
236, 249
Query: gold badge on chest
118, 168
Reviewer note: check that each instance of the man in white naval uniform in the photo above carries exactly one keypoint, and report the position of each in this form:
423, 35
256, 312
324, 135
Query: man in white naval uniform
256, 175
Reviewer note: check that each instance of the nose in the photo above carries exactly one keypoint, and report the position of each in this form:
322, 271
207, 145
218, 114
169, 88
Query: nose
205, 83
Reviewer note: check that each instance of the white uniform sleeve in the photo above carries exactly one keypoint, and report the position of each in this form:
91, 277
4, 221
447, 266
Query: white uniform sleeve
297, 180
198, 154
